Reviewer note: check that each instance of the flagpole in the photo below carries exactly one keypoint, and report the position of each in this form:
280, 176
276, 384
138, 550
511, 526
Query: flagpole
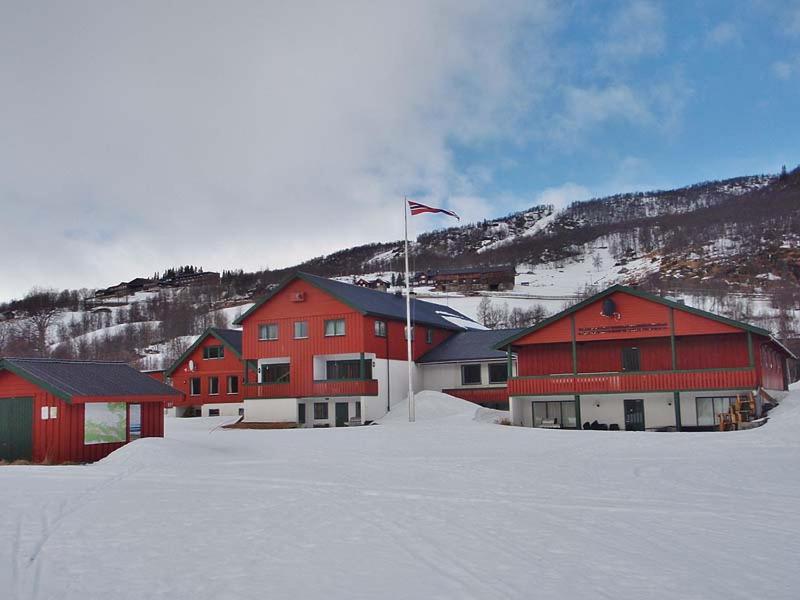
411, 407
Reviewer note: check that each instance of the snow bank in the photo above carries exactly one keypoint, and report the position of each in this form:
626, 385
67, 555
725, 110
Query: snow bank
435, 406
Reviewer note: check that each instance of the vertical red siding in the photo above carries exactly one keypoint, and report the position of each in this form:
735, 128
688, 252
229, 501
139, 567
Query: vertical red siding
606, 355
544, 359
714, 351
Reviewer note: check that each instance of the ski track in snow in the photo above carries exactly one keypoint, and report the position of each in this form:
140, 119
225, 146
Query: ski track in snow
452, 506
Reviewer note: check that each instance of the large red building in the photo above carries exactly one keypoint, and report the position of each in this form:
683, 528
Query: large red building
210, 375
327, 353
629, 359
60, 411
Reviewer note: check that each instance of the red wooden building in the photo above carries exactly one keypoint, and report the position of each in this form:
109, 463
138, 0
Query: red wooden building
328, 353
210, 375
629, 359
60, 411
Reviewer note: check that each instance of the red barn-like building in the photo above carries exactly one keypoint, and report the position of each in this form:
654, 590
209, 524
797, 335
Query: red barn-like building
209, 375
329, 353
75, 411
633, 360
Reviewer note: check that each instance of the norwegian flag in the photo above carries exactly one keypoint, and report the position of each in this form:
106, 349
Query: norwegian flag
417, 209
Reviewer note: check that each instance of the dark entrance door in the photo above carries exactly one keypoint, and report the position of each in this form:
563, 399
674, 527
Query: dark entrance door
342, 414
634, 415
301, 413
16, 429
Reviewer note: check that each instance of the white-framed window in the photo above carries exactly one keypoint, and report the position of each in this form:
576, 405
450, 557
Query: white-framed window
233, 384
268, 331
213, 385
380, 328
320, 410
334, 327
470, 374
710, 407
194, 386
498, 372
300, 330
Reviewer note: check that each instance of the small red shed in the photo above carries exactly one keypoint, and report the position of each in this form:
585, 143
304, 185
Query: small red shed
60, 411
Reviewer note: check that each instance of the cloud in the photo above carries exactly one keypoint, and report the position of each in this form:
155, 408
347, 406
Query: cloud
142, 135
723, 34
563, 195
786, 69
634, 32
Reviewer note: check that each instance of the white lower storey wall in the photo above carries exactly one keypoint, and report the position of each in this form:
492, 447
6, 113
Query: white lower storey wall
226, 409
288, 410
659, 409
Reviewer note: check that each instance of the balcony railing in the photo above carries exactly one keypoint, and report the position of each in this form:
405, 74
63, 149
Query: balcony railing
640, 381
313, 389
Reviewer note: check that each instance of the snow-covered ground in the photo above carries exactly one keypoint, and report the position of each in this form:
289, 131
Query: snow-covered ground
452, 506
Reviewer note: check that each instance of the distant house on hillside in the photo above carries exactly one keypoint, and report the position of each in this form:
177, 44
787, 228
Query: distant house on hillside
373, 284
190, 279
473, 279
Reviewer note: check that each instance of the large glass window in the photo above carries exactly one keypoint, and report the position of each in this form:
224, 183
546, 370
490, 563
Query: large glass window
560, 415
268, 331
334, 327
212, 352
470, 374
380, 328
213, 386
709, 409
498, 372
275, 373
194, 386
300, 330
347, 369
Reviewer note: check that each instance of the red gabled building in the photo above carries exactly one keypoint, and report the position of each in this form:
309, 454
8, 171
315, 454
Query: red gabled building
210, 375
58, 411
625, 358
326, 353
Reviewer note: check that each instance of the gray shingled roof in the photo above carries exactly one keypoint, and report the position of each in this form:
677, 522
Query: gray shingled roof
470, 345
70, 378
378, 303
232, 337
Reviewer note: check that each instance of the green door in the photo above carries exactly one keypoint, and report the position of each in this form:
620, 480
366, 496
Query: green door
16, 429
342, 411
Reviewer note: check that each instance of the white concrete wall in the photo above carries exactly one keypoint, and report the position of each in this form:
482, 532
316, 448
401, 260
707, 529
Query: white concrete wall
272, 410
352, 404
229, 409
392, 376
438, 377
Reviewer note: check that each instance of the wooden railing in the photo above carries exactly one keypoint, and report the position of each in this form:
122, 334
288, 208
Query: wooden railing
641, 381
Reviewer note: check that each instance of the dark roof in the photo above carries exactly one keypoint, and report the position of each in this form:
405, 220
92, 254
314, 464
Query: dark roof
470, 345
465, 270
232, 338
70, 378
376, 303
647, 296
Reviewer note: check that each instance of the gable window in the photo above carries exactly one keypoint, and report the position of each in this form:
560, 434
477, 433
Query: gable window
194, 386
300, 330
334, 327
275, 373
233, 384
498, 373
268, 331
380, 328
213, 386
630, 359
429, 336
470, 374
347, 369
212, 352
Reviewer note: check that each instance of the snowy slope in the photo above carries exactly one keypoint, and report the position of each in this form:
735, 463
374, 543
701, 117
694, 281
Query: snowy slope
449, 507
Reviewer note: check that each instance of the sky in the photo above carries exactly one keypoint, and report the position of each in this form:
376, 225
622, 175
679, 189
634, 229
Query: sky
257, 134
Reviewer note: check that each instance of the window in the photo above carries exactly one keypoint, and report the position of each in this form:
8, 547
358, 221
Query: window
213, 412
470, 374
300, 330
630, 359
709, 409
347, 369
554, 415
498, 373
380, 328
213, 386
194, 386
358, 410
212, 352
241, 412
405, 333
301, 413
275, 373
429, 336
320, 410
233, 384
334, 327
134, 421
268, 331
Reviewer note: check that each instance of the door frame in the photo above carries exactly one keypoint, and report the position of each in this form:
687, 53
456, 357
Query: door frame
637, 402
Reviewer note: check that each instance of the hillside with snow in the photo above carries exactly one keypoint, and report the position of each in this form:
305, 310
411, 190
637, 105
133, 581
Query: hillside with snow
452, 506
